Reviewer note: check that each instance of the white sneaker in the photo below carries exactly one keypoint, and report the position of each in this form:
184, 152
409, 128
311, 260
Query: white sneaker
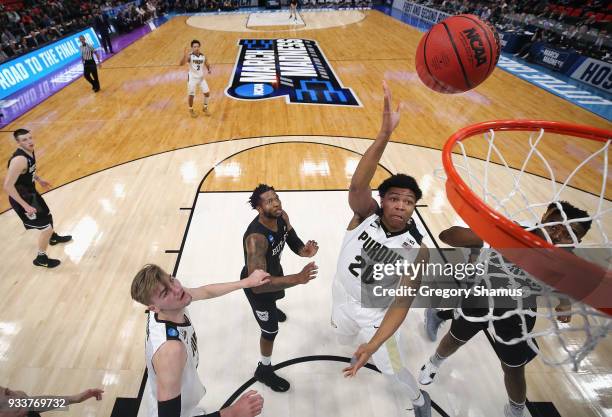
509, 412
428, 373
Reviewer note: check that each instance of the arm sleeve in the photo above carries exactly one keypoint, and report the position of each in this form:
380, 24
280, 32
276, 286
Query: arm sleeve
294, 242
170, 408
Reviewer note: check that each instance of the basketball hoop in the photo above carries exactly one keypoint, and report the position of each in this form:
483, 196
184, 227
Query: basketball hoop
494, 214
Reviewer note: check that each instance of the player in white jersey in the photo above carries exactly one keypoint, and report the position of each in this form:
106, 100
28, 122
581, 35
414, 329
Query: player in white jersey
293, 10
378, 231
171, 344
196, 61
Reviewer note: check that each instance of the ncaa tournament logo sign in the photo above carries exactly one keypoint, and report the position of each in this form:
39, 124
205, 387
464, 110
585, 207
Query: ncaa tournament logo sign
294, 68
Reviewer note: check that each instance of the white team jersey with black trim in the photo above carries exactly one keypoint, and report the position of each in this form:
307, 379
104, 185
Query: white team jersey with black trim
192, 390
371, 236
196, 65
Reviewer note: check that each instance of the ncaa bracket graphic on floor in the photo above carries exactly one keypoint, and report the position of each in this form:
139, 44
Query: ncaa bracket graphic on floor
294, 68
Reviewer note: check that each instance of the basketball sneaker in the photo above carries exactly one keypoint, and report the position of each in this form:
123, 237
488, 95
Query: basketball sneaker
193, 113
282, 317
510, 411
428, 373
206, 111
55, 239
425, 409
45, 261
432, 323
265, 374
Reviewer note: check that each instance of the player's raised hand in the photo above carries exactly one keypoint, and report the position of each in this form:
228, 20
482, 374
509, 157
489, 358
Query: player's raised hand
390, 118
258, 277
308, 273
249, 404
360, 357
310, 249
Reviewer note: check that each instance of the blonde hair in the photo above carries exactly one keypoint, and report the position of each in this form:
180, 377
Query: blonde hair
145, 281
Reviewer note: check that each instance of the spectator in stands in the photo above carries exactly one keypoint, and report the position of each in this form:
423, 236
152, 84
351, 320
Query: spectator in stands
150, 9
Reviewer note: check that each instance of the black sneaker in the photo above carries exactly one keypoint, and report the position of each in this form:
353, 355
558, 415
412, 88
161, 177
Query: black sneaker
282, 317
55, 239
45, 261
265, 374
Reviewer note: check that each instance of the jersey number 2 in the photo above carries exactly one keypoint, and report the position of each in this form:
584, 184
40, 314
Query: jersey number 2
359, 266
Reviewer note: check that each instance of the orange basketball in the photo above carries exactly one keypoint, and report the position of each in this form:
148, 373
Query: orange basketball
457, 54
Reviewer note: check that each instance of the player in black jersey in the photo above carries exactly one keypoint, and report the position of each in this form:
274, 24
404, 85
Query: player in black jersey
513, 357
25, 199
263, 243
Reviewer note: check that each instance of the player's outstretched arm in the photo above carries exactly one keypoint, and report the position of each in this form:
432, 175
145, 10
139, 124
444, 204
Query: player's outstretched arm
169, 361
256, 247
360, 193
395, 316
460, 237
257, 278
85, 395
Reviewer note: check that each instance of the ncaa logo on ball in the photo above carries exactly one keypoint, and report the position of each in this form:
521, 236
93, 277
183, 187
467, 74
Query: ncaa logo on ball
477, 46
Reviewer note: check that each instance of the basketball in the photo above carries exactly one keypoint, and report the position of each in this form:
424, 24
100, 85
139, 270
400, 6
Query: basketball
457, 54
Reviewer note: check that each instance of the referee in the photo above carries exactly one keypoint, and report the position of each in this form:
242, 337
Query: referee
90, 71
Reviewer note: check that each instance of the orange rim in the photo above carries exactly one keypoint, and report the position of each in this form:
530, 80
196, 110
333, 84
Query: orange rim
570, 274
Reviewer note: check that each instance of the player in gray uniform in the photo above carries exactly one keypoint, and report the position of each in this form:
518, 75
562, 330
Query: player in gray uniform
377, 230
172, 348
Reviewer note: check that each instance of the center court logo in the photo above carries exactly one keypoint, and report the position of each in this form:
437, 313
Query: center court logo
294, 68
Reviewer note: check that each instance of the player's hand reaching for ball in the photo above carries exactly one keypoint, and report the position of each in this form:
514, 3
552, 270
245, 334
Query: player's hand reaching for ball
249, 404
257, 278
308, 273
360, 357
310, 249
390, 118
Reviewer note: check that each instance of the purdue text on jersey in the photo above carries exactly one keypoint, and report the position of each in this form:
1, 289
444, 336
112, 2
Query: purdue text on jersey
294, 68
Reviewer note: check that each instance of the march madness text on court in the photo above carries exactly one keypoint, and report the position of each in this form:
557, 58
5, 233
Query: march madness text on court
293, 60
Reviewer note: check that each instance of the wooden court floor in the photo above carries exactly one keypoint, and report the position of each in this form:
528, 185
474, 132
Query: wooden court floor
75, 327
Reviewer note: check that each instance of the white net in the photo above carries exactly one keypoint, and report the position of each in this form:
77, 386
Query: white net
524, 175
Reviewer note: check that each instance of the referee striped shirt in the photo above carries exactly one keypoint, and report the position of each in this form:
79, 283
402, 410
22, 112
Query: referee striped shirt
87, 52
